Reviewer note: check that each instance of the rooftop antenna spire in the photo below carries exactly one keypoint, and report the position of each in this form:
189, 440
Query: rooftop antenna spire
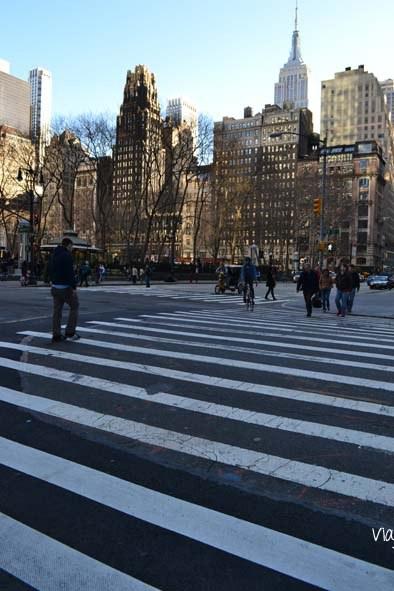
296, 17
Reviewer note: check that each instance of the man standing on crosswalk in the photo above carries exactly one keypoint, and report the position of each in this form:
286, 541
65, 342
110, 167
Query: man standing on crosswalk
64, 291
309, 283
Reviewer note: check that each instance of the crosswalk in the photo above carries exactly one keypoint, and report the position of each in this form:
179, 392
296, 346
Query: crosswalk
199, 449
180, 292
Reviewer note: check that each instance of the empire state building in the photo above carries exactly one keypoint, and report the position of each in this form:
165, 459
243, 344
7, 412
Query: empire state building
293, 77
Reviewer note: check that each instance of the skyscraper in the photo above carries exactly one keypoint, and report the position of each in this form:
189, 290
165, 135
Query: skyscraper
136, 154
353, 109
293, 77
182, 111
14, 101
41, 106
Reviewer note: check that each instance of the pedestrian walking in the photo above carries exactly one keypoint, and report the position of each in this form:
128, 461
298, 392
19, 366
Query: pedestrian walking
63, 291
325, 285
24, 273
84, 272
356, 287
97, 275
270, 283
344, 283
134, 274
309, 284
141, 274
147, 273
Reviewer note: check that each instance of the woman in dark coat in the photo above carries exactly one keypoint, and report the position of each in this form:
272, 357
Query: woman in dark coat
270, 284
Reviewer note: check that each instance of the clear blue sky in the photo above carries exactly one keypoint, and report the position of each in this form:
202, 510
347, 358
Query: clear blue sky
222, 54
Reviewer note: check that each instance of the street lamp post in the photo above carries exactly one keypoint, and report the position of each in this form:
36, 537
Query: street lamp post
32, 175
323, 143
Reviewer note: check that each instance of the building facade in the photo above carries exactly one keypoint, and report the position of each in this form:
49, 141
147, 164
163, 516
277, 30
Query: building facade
292, 86
14, 102
358, 211
40, 81
353, 109
387, 87
255, 181
182, 110
136, 158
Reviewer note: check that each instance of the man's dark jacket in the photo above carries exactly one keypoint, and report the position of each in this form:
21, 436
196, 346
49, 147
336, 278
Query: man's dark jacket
61, 267
308, 282
344, 281
355, 279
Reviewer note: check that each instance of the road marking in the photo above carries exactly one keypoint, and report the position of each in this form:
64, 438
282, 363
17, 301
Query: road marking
283, 553
312, 475
279, 344
46, 564
26, 319
289, 333
258, 389
311, 326
249, 326
221, 361
271, 421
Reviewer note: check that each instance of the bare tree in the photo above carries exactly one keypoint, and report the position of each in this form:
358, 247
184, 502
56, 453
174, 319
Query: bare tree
90, 141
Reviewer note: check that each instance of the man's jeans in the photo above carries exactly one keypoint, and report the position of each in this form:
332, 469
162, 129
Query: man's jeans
351, 299
60, 297
341, 300
325, 296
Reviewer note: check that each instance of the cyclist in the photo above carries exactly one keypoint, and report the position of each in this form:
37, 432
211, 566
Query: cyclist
248, 276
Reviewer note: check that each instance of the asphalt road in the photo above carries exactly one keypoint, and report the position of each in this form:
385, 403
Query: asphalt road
187, 444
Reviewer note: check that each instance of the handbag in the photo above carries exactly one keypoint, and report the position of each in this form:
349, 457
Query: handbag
316, 301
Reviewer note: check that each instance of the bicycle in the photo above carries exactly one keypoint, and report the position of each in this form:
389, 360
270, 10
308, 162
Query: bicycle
249, 298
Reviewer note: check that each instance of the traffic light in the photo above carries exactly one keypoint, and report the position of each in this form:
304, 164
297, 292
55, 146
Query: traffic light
317, 206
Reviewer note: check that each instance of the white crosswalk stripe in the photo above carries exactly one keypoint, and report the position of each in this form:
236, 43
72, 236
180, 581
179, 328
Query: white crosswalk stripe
182, 292
307, 408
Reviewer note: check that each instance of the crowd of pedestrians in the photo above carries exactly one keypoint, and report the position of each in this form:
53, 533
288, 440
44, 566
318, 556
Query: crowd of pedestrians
316, 286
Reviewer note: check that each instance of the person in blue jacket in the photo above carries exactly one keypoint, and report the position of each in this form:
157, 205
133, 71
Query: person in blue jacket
248, 276
64, 291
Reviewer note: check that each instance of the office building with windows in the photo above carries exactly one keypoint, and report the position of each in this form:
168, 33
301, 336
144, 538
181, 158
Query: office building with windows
41, 106
353, 108
14, 101
255, 174
136, 156
182, 111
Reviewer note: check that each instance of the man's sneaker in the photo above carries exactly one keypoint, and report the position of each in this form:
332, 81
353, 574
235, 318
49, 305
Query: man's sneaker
58, 338
338, 313
74, 337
